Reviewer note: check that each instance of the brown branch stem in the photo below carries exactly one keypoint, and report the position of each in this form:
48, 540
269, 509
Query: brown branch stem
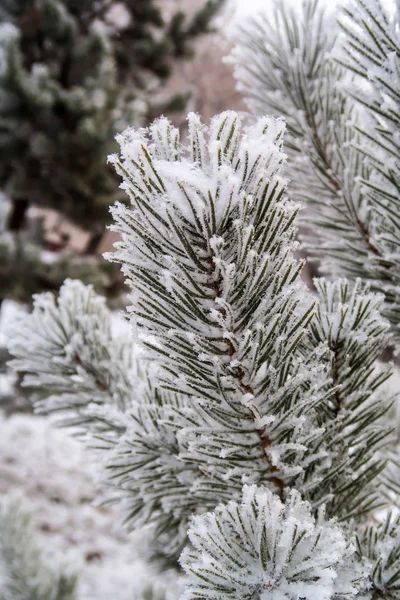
336, 378
239, 374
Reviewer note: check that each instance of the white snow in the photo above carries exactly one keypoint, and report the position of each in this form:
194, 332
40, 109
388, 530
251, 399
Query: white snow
57, 475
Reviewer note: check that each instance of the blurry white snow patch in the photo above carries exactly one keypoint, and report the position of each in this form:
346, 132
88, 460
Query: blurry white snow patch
9, 311
58, 476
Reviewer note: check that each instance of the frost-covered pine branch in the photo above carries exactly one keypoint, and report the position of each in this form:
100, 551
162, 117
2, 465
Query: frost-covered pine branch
355, 417
370, 50
342, 165
27, 570
253, 379
77, 363
254, 548
207, 265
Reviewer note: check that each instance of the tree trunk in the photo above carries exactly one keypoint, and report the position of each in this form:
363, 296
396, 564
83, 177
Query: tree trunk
16, 220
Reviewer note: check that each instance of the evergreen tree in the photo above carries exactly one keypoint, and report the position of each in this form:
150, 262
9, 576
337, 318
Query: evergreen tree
73, 74
252, 413
339, 96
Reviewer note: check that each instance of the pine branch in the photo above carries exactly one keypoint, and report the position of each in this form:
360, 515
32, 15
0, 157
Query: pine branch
284, 65
356, 414
207, 226
371, 50
196, 244
70, 354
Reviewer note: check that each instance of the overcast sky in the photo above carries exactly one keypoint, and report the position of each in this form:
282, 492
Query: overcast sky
247, 6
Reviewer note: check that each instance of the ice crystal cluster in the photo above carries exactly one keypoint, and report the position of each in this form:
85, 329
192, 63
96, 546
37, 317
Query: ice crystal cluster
239, 406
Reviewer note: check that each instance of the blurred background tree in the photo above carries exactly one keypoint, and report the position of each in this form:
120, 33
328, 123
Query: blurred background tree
72, 74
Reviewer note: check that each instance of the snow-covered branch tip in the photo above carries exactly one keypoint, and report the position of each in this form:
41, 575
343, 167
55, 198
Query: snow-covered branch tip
262, 548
